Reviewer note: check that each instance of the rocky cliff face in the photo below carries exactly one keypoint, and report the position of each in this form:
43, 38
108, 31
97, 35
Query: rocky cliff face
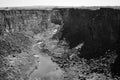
59, 44
21, 33
99, 30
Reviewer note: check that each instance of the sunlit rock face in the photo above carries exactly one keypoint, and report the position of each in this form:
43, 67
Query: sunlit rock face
31, 31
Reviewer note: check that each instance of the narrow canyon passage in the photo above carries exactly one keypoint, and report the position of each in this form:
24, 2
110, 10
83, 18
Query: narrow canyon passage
59, 44
45, 66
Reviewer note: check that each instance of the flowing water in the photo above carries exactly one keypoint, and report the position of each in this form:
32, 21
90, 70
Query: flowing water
45, 66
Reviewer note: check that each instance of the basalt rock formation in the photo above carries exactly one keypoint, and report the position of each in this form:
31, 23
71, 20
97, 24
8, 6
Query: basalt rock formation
72, 44
99, 30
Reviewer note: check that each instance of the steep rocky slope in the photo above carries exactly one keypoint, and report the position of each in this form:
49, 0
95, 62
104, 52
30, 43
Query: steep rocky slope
59, 44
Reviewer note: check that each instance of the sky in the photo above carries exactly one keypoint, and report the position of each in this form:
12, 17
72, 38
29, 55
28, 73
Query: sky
71, 3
